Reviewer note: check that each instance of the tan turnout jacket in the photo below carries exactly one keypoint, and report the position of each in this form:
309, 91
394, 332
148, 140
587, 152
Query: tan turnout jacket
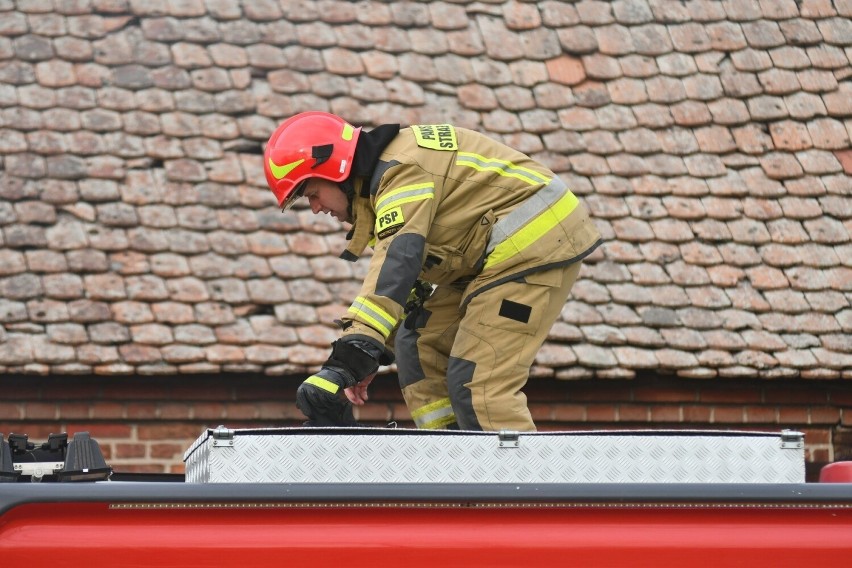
450, 206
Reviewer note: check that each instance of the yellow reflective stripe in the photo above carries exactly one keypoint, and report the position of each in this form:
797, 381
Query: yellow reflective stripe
500, 167
405, 194
533, 231
373, 314
348, 132
323, 384
441, 403
434, 415
438, 423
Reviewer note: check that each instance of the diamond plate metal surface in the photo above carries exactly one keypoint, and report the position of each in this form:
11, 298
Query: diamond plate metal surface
410, 456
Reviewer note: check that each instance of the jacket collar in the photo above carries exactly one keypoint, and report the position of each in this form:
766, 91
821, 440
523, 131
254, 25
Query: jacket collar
363, 223
370, 146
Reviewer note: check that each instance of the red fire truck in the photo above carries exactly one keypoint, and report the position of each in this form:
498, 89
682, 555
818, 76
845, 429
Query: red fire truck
337, 498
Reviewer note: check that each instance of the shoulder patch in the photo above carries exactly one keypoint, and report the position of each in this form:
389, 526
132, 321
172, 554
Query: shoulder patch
436, 136
389, 222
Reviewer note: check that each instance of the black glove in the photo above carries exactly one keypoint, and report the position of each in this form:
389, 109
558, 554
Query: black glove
320, 397
351, 361
322, 406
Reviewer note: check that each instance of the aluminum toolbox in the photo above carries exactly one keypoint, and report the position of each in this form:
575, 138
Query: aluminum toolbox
365, 455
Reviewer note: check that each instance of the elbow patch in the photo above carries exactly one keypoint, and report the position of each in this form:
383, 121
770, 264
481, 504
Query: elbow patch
401, 267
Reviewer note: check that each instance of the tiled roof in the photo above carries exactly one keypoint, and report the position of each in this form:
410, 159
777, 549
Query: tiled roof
710, 140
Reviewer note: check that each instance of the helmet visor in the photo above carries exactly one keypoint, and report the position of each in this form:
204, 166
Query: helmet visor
295, 195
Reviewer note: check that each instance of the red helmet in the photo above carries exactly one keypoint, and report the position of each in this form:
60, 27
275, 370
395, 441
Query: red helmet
307, 145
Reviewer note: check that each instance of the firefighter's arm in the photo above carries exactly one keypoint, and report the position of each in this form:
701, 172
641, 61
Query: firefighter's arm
405, 210
404, 213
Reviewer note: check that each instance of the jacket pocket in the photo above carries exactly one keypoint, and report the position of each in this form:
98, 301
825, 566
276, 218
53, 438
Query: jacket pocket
448, 262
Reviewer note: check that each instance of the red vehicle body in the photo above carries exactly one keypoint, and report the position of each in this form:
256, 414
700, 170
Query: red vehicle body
143, 523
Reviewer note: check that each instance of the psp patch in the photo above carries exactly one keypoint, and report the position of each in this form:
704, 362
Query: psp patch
389, 222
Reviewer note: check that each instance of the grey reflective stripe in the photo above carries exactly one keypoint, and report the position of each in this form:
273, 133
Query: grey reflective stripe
435, 415
374, 315
500, 167
537, 204
407, 193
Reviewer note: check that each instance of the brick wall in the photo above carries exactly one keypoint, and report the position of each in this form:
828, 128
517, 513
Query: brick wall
144, 424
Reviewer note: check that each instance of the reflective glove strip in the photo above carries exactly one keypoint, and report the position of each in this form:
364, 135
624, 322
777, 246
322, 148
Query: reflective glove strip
323, 384
374, 315
529, 222
434, 415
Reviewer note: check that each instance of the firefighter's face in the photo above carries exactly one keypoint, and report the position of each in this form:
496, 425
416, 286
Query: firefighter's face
327, 197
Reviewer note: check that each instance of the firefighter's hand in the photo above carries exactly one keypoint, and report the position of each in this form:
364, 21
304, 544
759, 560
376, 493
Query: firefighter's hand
357, 394
319, 399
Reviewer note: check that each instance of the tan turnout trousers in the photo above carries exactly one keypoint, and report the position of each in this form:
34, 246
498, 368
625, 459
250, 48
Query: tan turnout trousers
468, 367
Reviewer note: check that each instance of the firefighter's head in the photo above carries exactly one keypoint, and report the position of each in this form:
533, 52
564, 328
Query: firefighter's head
305, 146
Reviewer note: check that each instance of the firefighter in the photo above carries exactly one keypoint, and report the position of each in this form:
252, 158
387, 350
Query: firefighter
475, 249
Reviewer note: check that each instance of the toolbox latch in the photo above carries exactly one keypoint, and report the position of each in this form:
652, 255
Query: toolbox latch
509, 439
792, 440
222, 437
